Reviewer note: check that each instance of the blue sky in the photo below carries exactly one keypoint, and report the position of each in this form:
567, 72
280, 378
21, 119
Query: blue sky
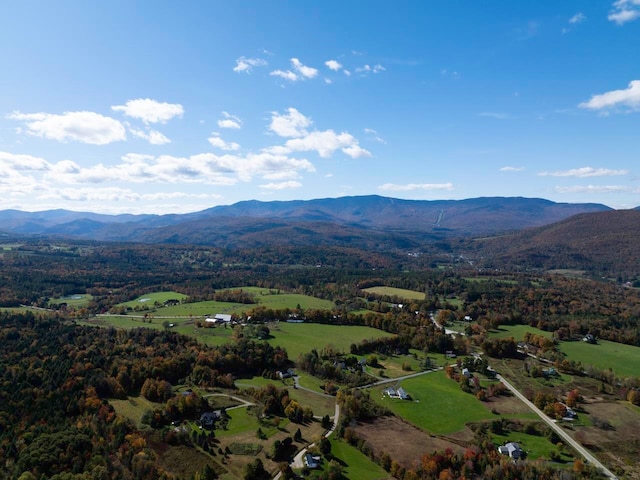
171, 107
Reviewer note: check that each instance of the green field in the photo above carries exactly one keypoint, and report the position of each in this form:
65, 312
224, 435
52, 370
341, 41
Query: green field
517, 332
437, 404
535, 446
396, 292
133, 408
299, 338
623, 359
152, 303
150, 299
76, 300
356, 465
320, 404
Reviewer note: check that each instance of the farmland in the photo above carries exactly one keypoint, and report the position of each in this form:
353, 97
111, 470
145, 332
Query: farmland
437, 404
396, 292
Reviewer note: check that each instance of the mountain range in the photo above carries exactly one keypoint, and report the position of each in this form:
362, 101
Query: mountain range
372, 220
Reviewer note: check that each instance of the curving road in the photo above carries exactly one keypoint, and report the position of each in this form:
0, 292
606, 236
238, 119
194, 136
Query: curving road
564, 435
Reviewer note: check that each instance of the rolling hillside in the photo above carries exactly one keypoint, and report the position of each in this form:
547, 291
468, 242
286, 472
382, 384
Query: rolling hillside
604, 242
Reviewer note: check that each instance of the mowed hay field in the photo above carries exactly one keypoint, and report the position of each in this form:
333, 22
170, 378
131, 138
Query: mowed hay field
437, 404
396, 292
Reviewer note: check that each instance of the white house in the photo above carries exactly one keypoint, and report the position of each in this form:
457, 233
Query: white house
512, 449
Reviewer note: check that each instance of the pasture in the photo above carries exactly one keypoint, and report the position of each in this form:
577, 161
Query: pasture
299, 338
150, 299
623, 359
77, 300
437, 404
355, 464
396, 292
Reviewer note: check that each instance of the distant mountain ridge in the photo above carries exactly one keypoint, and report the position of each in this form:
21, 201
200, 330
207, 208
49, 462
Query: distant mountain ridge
369, 221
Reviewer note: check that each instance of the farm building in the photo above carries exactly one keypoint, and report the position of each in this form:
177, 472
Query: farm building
219, 318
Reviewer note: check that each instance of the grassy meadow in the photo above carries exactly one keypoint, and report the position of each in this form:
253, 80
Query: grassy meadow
396, 292
299, 338
623, 359
437, 404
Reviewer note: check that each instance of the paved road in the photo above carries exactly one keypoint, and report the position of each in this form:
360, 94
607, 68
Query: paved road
564, 435
398, 379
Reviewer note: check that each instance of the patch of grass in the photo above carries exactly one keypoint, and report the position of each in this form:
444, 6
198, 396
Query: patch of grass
517, 331
320, 405
437, 404
292, 300
356, 464
133, 408
396, 292
252, 449
151, 298
535, 446
76, 300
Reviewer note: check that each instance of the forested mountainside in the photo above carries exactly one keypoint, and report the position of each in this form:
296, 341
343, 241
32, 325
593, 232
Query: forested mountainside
370, 221
601, 243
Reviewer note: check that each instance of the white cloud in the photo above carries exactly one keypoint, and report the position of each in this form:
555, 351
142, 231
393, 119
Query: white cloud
624, 11
629, 97
12, 161
307, 72
152, 136
325, 143
149, 110
333, 65
286, 75
246, 65
294, 125
218, 142
585, 172
392, 187
281, 185
301, 72
578, 18
512, 169
593, 189
85, 127
230, 121
291, 124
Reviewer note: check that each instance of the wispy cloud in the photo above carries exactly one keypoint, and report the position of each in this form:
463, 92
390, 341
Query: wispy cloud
333, 65
593, 189
585, 172
299, 72
229, 121
246, 65
281, 185
392, 187
511, 169
624, 11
